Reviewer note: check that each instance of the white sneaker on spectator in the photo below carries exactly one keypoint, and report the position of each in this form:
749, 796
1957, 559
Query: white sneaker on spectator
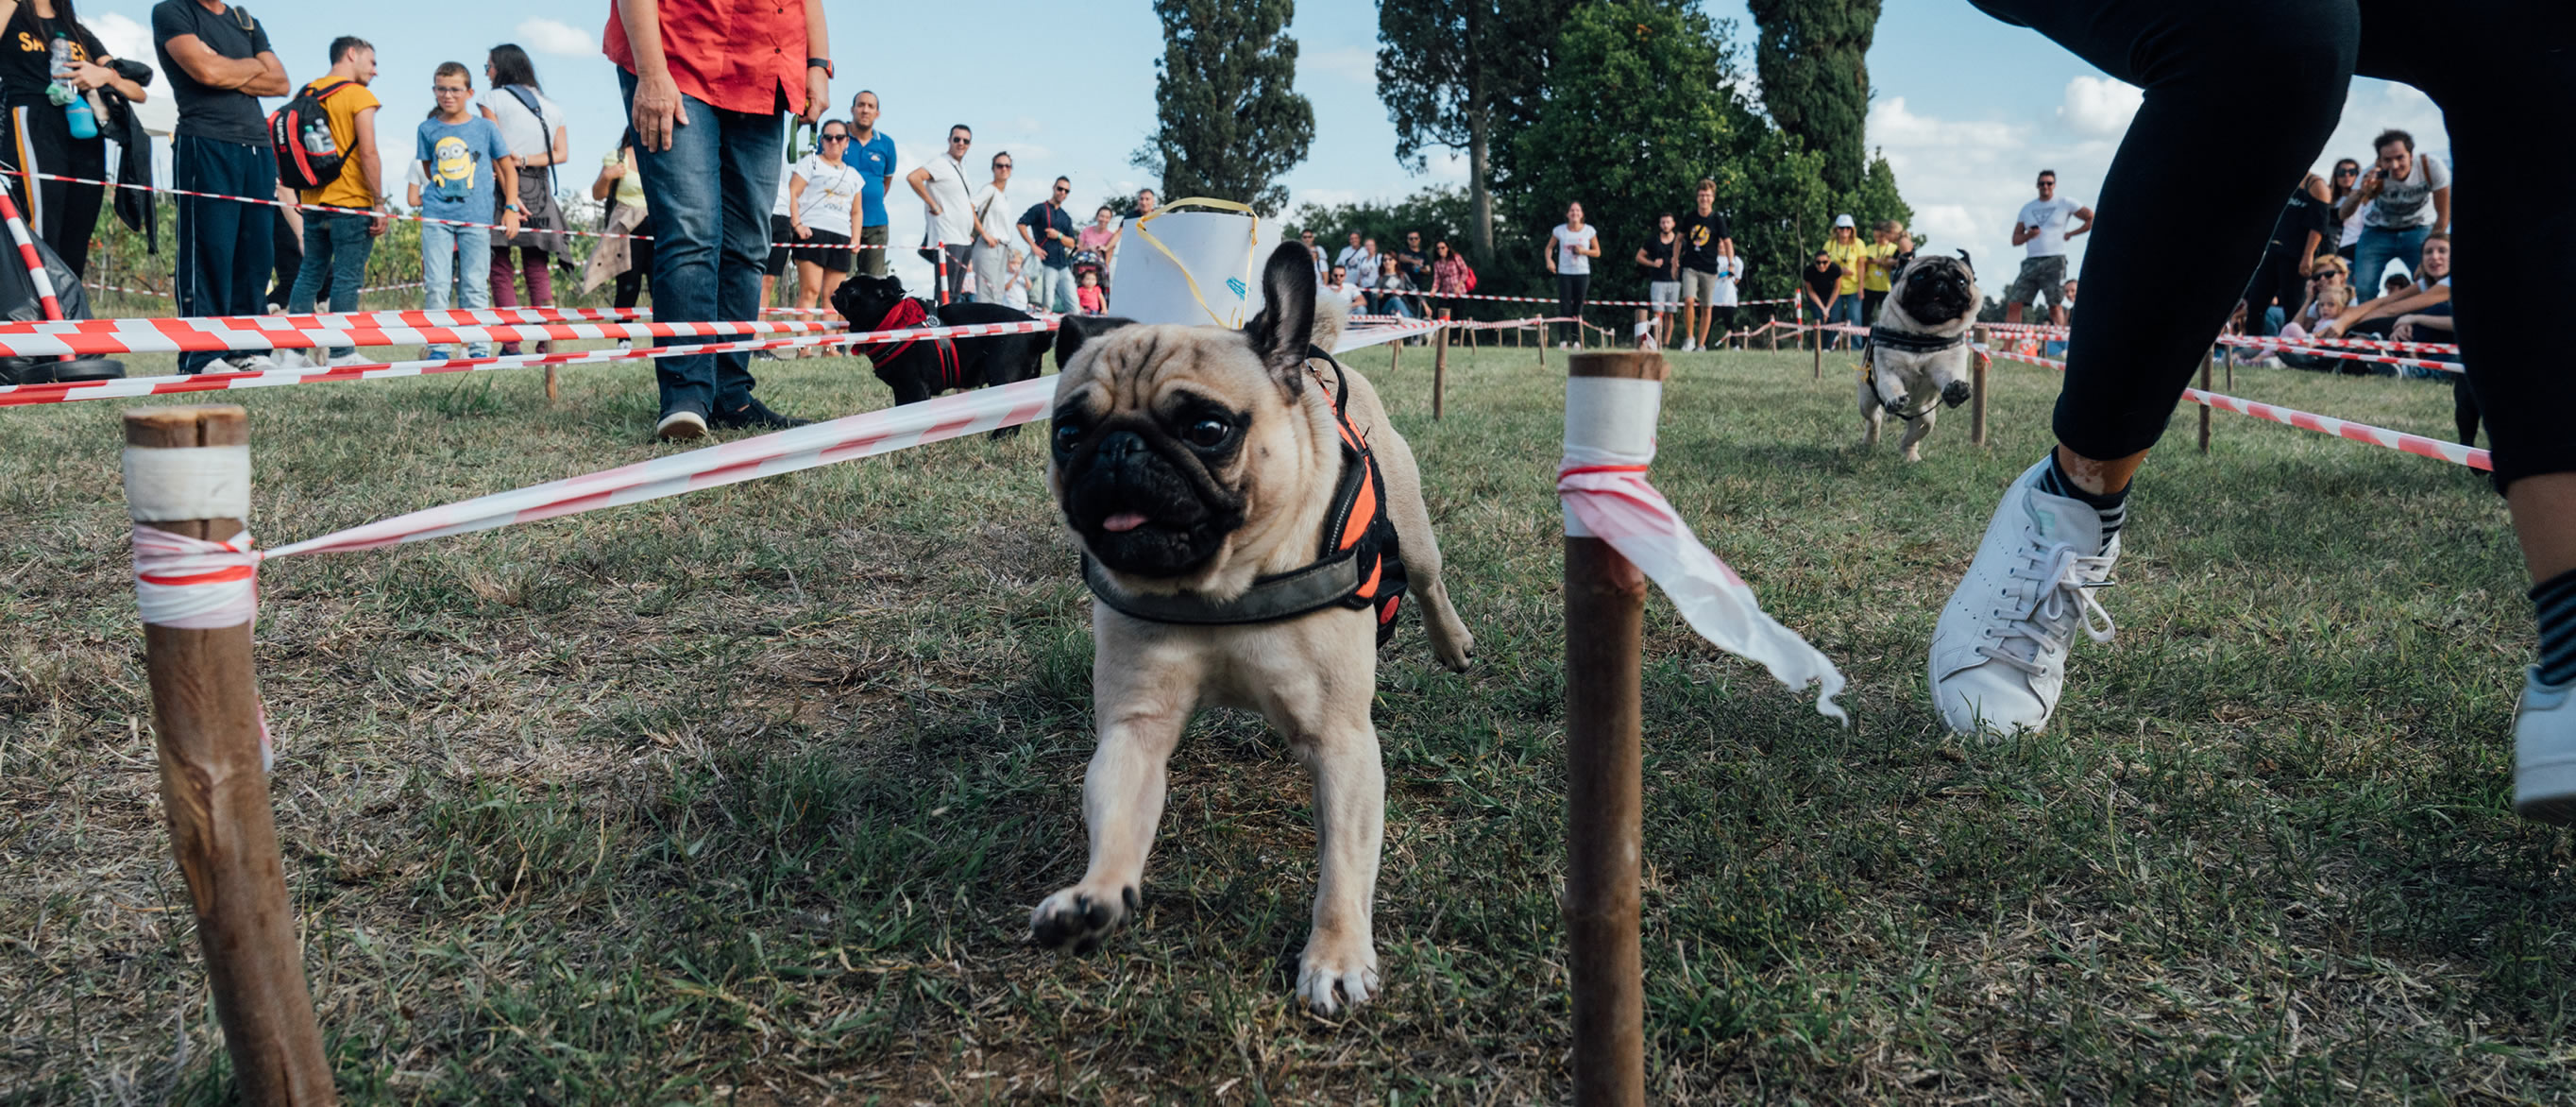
1689, 345
256, 363
1998, 659
2544, 751
353, 357
283, 359
626, 344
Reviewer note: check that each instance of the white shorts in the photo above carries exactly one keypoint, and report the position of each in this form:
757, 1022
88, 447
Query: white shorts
1664, 295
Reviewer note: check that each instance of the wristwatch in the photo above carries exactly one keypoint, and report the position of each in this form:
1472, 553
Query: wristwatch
824, 64
514, 206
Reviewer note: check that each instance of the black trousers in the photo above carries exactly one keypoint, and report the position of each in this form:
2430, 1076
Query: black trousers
36, 138
2502, 71
1571, 289
639, 254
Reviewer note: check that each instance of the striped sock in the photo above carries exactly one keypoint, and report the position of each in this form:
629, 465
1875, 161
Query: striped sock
2113, 508
2553, 604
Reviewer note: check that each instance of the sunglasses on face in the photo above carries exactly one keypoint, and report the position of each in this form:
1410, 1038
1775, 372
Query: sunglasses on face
444, 90
1061, 190
960, 140
836, 138
1002, 165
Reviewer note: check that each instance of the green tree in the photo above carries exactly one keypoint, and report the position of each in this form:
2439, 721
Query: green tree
1230, 121
1636, 109
1461, 74
1815, 77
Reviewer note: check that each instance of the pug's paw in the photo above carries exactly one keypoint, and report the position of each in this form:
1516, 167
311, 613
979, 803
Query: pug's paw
1336, 974
1080, 917
1895, 405
1955, 393
1455, 649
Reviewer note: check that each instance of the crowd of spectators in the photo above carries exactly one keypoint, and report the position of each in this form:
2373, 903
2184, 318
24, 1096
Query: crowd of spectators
2367, 253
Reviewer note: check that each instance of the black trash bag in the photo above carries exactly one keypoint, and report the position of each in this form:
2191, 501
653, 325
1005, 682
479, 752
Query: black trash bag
19, 303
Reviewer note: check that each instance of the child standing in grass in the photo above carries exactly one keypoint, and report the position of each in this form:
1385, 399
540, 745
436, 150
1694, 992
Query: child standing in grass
459, 154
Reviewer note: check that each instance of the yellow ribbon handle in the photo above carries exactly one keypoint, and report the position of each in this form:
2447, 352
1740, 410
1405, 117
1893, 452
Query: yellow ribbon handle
1157, 244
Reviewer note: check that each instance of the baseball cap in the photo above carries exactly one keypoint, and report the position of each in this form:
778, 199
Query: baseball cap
1845, 221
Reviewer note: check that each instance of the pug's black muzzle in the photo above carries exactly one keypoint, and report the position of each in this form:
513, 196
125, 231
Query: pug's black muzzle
1937, 294
1130, 466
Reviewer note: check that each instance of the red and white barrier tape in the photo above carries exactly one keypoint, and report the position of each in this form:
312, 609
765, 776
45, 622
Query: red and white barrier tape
1554, 300
2348, 355
44, 281
129, 387
408, 317
1609, 442
323, 208
2416, 444
174, 335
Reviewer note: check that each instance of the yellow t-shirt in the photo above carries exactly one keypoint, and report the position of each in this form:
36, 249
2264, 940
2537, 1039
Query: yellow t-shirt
341, 110
629, 189
1880, 276
1849, 257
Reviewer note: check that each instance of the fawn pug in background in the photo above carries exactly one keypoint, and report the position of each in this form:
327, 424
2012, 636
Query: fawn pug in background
1249, 520
1918, 350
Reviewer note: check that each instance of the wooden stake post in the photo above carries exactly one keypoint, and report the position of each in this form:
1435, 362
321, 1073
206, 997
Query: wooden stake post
214, 789
1440, 363
1608, 412
2205, 360
1977, 368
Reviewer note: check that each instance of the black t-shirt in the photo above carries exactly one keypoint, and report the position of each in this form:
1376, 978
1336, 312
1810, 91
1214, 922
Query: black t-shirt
220, 114
1041, 216
1659, 254
1700, 235
1822, 281
1415, 268
26, 55
2290, 232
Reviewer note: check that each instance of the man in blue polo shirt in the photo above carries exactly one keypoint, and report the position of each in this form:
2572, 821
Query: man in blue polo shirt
872, 154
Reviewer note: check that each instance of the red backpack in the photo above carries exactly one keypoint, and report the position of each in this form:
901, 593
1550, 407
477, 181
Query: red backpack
307, 155
1471, 275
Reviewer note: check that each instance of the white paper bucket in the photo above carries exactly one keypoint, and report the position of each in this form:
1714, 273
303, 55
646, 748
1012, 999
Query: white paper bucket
1196, 268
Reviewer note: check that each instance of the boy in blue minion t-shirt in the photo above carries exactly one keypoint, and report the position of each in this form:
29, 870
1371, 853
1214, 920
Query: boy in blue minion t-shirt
459, 152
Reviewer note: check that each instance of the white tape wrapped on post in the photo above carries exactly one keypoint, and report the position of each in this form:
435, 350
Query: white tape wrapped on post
1609, 442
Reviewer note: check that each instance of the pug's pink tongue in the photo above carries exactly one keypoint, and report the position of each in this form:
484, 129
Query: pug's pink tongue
1123, 521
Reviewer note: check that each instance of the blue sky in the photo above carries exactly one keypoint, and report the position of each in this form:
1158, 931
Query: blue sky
1966, 108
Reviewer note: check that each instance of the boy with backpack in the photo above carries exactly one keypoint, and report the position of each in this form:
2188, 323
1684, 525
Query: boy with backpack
326, 149
461, 157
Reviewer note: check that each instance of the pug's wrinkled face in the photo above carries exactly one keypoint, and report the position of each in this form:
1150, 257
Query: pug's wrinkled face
1938, 290
1174, 448
864, 300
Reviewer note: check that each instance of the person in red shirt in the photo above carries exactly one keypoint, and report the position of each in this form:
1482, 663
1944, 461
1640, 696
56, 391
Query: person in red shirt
704, 82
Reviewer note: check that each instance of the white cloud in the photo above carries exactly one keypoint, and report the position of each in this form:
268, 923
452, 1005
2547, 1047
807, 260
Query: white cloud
554, 36
1445, 166
1355, 63
123, 37
1892, 125
2099, 107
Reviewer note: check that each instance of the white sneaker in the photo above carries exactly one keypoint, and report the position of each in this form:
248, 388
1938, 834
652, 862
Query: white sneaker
2544, 751
353, 357
1998, 659
1690, 345
626, 344
256, 363
681, 426
284, 359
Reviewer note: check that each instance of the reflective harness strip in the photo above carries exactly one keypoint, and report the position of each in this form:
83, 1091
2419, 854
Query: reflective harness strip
1910, 343
1361, 565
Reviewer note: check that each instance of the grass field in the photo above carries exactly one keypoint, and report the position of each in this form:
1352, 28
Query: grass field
744, 797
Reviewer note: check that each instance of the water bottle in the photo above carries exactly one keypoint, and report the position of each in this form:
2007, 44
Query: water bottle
76, 109
84, 122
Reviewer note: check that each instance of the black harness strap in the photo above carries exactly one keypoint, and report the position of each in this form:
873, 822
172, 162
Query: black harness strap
1914, 343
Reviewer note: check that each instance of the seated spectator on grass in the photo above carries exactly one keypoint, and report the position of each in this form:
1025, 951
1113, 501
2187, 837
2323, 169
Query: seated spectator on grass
2396, 283
1393, 289
2432, 271
1341, 288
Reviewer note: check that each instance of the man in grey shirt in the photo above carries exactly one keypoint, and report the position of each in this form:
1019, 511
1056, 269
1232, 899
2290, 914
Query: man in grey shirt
2402, 200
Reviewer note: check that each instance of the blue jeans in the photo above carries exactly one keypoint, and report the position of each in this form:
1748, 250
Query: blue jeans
1052, 290
459, 255
224, 245
710, 195
1846, 309
336, 245
2379, 246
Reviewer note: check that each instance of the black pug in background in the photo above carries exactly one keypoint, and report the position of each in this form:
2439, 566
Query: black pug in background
923, 368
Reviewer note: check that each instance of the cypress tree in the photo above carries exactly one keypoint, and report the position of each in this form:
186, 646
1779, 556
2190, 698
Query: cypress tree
1815, 79
1230, 121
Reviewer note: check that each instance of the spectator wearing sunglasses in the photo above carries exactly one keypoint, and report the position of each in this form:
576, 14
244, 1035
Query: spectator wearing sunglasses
993, 250
1049, 232
2346, 178
823, 207
872, 155
949, 226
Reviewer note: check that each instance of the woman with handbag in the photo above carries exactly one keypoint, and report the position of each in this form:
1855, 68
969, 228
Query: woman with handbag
532, 126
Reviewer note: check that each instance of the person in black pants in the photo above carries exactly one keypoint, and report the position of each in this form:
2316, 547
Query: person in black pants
2502, 71
1570, 250
36, 133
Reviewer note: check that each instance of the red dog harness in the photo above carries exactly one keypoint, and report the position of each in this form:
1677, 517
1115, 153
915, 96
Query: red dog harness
906, 314
1361, 565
